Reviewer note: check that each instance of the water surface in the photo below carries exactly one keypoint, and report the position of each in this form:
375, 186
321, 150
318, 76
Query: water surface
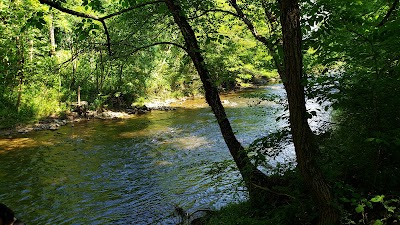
131, 171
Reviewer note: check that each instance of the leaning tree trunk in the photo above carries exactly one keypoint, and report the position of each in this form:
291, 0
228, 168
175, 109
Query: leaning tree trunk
249, 172
303, 138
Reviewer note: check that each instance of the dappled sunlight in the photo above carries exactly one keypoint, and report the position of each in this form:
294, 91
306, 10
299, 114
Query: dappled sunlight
188, 143
19, 143
140, 159
142, 133
191, 103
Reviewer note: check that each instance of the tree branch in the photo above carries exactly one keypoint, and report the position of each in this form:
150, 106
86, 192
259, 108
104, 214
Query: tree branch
272, 191
269, 15
73, 57
130, 8
69, 11
257, 36
154, 44
385, 19
205, 12
100, 19
108, 37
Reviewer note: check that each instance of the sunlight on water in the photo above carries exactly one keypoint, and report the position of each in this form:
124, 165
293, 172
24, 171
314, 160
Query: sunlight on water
131, 171
20, 143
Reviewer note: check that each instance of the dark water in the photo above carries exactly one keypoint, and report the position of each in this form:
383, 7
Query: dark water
130, 171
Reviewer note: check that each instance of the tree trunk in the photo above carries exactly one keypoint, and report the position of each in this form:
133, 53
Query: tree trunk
51, 34
20, 67
31, 51
303, 138
249, 172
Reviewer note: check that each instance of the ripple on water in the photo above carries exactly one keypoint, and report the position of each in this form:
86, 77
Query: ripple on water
133, 172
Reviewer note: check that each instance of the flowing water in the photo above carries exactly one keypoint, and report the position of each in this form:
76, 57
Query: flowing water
131, 171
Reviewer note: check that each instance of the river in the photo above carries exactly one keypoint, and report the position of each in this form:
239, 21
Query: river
132, 171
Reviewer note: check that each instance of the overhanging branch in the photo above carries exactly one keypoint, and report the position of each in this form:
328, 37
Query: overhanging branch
385, 19
69, 11
100, 19
154, 44
205, 12
108, 37
130, 8
270, 46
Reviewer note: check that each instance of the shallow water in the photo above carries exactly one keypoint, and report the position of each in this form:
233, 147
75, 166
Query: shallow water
131, 171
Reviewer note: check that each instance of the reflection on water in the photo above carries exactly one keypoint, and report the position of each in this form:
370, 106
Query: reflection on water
130, 171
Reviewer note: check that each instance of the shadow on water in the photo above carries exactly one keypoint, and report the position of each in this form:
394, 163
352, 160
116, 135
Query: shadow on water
130, 171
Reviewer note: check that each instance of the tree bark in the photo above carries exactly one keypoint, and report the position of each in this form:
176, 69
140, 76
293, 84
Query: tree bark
303, 138
51, 34
249, 172
20, 67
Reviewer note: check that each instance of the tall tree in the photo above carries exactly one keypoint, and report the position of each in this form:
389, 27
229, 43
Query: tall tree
290, 69
51, 34
251, 175
303, 138
20, 68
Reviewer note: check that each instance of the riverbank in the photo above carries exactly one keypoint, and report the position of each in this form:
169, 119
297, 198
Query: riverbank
54, 122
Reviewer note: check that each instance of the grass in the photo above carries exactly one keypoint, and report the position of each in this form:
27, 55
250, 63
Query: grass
240, 214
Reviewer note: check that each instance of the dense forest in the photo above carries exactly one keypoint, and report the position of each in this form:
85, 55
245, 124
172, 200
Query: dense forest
337, 52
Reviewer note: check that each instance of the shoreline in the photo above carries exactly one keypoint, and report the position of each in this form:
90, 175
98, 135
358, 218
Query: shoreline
53, 123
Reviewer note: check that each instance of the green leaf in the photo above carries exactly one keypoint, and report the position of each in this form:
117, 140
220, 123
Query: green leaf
378, 222
370, 139
378, 198
360, 208
390, 208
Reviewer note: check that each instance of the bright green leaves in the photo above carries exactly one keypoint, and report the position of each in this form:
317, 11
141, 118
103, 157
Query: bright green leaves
87, 27
93, 28
378, 198
390, 208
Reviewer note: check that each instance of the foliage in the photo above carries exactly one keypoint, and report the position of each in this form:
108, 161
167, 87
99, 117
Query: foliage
237, 214
359, 75
350, 58
131, 72
361, 209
